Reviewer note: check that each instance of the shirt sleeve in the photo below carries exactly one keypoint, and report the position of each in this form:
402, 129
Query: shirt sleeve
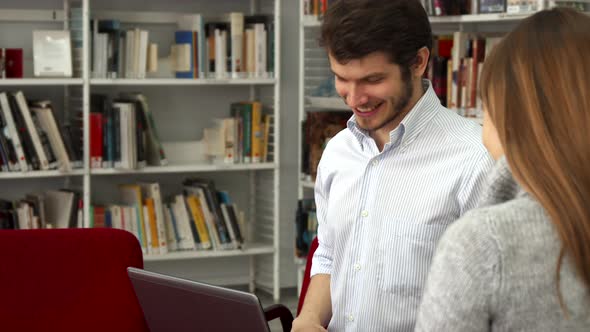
463, 279
322, 258
473, 187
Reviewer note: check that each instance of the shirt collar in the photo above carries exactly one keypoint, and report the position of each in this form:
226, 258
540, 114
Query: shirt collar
412, 124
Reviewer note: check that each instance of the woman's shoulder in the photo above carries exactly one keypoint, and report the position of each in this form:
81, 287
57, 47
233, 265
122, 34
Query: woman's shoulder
517, 214
502, 225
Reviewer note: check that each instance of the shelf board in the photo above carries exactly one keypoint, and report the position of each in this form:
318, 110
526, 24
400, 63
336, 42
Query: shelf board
31, 15
40, 174
40, 81
312, 21
477, 18
251, 250
307, 184
185, 169
181, 81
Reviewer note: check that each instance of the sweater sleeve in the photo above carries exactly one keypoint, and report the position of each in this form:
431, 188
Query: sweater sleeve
463, 279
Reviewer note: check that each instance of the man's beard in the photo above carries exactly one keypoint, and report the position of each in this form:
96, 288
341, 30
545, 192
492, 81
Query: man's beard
398, 103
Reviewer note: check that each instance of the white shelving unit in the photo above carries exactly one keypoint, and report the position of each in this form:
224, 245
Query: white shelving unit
182, 108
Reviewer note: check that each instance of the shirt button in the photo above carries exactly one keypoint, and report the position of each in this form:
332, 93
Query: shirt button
375, 162
365, 213
350, 318
357, 267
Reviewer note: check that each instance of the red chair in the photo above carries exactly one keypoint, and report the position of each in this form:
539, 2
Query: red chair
282, 312
69, 280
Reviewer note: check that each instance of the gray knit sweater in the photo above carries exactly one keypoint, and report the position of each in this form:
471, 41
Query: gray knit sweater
494, 269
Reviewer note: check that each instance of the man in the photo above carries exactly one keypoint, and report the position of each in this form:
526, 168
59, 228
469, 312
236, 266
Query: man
389, 184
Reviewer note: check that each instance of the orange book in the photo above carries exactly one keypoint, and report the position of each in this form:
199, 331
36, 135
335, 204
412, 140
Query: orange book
199, 218
149, 202
257, 132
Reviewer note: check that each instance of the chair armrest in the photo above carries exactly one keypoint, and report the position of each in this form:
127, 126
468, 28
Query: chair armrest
279, 311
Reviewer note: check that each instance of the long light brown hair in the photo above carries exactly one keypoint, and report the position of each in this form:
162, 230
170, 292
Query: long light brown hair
536, 87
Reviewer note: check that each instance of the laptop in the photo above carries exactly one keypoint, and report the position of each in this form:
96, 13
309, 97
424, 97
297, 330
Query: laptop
174, 304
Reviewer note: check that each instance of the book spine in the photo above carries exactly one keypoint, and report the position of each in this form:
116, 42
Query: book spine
256, 132
32, 130
237, 38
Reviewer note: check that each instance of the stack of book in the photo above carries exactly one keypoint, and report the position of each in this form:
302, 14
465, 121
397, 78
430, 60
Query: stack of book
123, 133
238, 46
50, 209
200, 218
31, 138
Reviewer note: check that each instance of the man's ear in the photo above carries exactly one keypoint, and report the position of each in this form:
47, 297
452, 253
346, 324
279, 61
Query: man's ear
421, 62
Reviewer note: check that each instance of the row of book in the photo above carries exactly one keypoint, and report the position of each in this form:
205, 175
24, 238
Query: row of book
317, 129
237, 46
306, 226
244, 137
464, 7
199, 218
315, 8
455, 68
123, 133
50, 209
31, 137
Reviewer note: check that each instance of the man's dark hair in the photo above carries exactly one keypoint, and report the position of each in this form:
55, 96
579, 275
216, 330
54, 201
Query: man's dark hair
353, 29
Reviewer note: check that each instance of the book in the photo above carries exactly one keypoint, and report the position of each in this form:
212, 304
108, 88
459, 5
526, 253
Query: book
256, 132
237, 40
187, 54
13, 63
52, 53
195, 22
198, 218
492, 6
44, 113
131, 195
31, 129
151, 191
155, 154
180, 215
12, 132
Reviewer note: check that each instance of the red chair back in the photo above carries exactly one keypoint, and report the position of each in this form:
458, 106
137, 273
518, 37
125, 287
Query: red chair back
69, 280
306, 277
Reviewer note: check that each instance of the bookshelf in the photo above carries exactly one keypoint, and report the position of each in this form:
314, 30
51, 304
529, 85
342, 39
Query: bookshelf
182, 108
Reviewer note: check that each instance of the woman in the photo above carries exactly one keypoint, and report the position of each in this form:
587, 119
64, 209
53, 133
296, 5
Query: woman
521, 262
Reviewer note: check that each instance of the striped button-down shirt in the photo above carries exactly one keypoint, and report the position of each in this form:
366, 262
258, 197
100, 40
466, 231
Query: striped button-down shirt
381, 214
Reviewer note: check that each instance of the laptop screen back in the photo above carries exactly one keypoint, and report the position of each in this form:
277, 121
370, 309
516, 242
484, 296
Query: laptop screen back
174, 304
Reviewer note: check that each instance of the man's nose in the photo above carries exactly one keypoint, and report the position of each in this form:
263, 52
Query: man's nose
356, 98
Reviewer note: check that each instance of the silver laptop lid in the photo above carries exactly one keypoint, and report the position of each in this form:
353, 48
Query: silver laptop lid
174, 304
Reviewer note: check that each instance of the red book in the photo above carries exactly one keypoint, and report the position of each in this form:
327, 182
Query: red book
14, 63
95, 140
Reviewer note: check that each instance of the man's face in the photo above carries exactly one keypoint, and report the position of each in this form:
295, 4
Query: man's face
375, 90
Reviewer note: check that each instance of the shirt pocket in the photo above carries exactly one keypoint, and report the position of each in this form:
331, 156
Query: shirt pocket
404, 255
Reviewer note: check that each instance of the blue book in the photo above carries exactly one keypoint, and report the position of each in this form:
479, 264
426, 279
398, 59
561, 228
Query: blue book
190, 38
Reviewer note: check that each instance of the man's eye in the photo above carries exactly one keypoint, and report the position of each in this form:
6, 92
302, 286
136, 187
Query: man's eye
374, 79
